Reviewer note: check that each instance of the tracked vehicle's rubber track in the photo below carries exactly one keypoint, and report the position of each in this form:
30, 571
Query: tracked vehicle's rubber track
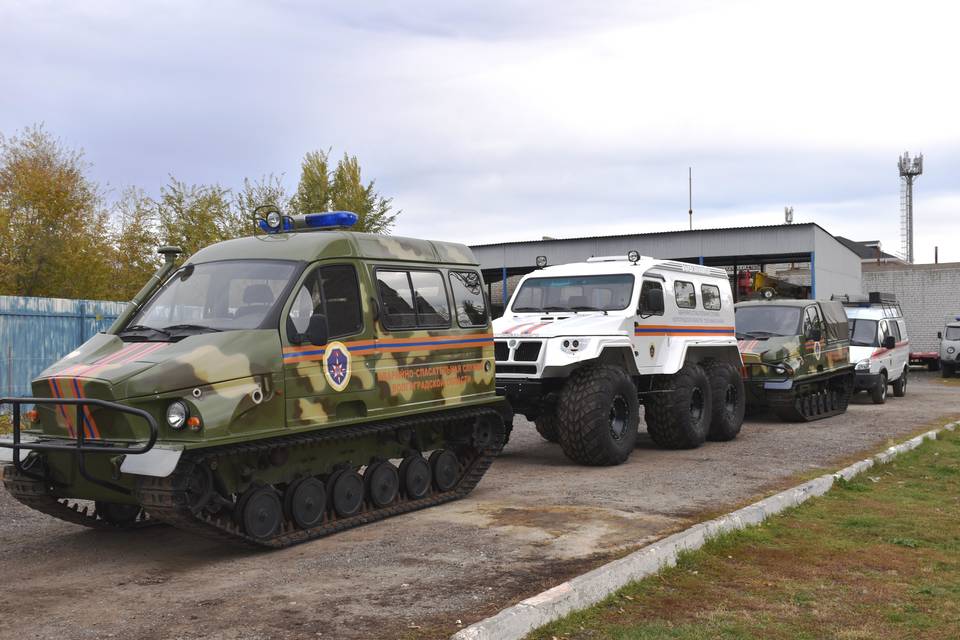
167, 499
34, 494
814, 400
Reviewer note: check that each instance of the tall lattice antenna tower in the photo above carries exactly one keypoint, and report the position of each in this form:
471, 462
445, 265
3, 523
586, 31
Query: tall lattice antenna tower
910, 168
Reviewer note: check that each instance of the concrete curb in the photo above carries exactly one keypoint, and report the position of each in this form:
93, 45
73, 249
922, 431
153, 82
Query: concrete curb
578, 593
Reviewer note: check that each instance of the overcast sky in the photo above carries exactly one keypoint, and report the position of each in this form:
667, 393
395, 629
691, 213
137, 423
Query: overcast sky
494, 121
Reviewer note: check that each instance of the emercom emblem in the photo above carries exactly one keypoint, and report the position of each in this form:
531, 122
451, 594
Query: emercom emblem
336, 365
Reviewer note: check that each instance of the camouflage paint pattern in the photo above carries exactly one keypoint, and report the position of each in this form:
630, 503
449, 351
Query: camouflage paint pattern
251, 384
802, 357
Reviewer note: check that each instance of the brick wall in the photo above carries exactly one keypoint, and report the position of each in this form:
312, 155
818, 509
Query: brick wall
926, 292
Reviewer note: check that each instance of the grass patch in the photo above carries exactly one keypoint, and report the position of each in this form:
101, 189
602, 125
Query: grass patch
877, 557
6, 425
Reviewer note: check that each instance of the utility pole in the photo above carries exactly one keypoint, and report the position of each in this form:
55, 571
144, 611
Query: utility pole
690, 194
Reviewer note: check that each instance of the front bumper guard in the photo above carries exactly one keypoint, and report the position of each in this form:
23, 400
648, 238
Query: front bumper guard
81, 445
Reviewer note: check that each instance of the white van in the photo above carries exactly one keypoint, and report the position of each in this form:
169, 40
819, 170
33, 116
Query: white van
879, 346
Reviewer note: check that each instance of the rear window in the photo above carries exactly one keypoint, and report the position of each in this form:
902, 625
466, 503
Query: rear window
468, 300
711, 297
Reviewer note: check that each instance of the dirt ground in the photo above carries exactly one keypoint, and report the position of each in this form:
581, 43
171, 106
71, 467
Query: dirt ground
533, 521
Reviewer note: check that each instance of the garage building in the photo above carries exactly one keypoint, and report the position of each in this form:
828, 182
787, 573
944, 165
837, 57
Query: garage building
799, 260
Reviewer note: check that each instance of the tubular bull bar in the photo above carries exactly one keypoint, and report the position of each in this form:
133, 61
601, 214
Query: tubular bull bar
81, 445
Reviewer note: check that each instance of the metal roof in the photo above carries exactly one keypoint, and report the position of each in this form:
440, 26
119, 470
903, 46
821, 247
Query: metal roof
657, 233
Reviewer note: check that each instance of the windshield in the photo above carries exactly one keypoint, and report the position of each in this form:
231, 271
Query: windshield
767, 320
863, 333
952, 333
217, 296
575, 293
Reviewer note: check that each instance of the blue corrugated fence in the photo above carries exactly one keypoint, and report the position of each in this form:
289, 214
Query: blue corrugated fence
36, 332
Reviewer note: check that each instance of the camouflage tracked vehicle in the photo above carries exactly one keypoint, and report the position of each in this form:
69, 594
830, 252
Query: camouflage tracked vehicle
795, 357
273, 389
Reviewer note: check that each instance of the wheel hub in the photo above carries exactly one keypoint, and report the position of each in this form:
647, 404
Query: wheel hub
619, 412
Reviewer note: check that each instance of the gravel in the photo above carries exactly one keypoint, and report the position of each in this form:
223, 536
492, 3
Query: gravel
535, 520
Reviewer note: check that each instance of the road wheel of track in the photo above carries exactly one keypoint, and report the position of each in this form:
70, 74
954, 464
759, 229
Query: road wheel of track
346, 492
415, 476
900, 386
383, 483
678, 414
262, 512
729, 401
446, 469
305, 502
598, 416
120, 515
548, 426
879, 393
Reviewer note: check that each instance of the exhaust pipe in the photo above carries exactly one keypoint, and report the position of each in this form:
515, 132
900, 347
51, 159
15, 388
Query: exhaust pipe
169, 254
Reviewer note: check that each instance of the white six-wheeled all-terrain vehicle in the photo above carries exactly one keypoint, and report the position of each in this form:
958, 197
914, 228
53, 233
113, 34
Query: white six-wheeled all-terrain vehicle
581, 346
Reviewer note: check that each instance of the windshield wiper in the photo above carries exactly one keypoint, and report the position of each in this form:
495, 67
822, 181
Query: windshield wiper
190, 327
522, 309
758, 334
587, 308
141, 328
555, 308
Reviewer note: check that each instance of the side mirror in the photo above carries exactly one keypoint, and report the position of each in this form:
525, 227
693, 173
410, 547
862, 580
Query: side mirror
939, 335
889, 342
318, 332
815, 334
652, 304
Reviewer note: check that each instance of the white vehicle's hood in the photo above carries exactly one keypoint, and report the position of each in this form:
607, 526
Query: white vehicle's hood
581, 324
862, 353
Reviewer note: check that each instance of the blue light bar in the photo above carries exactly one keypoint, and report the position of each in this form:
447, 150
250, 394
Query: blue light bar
331, 219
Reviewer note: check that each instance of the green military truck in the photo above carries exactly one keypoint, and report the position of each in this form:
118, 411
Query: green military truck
795, 357
272, 389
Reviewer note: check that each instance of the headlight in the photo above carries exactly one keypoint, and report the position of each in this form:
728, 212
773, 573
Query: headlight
177, 414
573, 345
950, 349
863, 365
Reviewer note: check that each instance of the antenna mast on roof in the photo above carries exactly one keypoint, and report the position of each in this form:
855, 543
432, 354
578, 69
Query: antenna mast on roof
910, 168
690, 194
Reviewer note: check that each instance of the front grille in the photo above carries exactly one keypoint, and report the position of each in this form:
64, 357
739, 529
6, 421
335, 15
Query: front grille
500, 350
516, 368
527, 352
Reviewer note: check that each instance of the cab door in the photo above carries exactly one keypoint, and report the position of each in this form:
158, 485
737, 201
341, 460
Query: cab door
814, 340
331, 382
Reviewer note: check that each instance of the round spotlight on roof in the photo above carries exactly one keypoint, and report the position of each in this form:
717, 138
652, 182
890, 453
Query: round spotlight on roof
633, 256
274, 220
541, 262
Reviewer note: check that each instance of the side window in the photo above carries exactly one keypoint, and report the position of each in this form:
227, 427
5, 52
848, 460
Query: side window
332, 291
895, 329
341, 299
396, 297
711, 296
686, 294
467, 289
811, 320
645, 289
413, 299
431, 298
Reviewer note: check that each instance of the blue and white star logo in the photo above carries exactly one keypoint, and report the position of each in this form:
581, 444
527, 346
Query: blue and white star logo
336, 365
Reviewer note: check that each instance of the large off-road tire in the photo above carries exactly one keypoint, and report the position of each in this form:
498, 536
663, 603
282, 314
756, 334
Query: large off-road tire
548, 426
679, 412
934, 365
598, 415
946, 370
900, 386
729, 400
879, 393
